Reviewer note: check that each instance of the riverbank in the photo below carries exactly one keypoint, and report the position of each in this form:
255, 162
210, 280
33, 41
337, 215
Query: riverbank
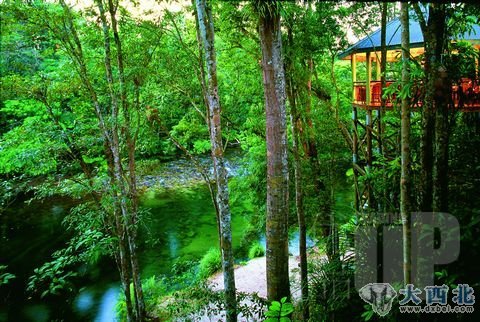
183, 172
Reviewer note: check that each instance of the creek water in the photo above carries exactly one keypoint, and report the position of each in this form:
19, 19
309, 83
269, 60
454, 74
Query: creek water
180, 225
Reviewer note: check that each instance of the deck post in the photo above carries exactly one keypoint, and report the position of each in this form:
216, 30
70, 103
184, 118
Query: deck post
378, 111
368, 90
355, 134
477, 65
368, 127
354, 70
378, 72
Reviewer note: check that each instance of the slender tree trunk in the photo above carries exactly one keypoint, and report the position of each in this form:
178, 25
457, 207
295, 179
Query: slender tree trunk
74, 48
405, 180
302, 228
278, 283
122, 254
426, 153
203, 82
383, 81
132, 184
208, 39
441, 90
128, 225
296, 128
123, 264
383, 77
435, 133
428, 115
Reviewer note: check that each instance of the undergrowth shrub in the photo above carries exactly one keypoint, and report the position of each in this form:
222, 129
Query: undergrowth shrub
332, 291
256, 250
153, 289
200, 303
210, 263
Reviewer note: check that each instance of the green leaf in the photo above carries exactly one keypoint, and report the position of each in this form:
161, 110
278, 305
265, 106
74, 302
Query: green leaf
287, 308
272, 313
349, 172
44, 293
276, 306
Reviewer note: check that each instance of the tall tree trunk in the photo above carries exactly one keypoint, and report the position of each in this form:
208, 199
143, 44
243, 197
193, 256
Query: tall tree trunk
383, 78
123, 265
74, 47
203, 83
296, 128
127, 227
132, 184
278, 283
208, 38
442, 134
302, 228
405, 181
428, 115
441, 99
435, 133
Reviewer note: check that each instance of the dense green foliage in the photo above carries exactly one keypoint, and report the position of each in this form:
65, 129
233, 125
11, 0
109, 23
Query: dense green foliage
51, 143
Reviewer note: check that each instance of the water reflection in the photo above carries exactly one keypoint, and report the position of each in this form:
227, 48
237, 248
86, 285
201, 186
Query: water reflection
84, 301
106, 309
293, 242
173, 244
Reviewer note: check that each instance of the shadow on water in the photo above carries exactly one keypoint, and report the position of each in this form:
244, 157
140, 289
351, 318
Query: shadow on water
29, 234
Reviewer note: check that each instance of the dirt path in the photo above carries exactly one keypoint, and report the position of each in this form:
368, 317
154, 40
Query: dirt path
251, 277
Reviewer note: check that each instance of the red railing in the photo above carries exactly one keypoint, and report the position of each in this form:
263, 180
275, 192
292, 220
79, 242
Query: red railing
465, 94
360, 89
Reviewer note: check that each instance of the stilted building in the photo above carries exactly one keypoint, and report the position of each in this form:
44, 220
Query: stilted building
367, 104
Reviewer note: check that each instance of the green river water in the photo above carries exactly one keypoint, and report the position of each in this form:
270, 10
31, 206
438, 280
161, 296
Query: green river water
181, 225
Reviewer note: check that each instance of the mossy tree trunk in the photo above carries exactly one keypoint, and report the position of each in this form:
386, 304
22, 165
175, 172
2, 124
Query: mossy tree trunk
405, 180
278, 283
205, 24
297, 130
433, 181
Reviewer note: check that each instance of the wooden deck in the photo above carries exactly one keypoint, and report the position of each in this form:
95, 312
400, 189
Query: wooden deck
465, 96
389, 106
